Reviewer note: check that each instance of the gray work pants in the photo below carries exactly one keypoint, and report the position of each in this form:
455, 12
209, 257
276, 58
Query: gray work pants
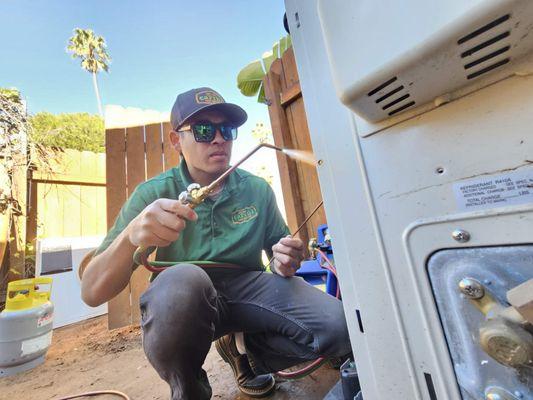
285, 321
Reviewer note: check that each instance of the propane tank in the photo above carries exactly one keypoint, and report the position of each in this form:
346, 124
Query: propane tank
25, 325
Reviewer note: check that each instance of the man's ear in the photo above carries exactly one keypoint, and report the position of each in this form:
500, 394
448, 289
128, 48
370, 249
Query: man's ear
175, 140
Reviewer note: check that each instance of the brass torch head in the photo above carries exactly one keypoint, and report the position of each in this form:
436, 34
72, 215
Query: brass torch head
195, 194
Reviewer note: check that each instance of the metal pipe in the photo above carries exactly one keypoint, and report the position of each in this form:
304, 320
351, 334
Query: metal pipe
217, 181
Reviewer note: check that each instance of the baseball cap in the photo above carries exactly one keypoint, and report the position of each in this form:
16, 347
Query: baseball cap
190, 103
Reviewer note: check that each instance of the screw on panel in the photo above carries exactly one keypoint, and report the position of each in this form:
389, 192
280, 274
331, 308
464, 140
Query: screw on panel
471, 288
461, 235
297, 19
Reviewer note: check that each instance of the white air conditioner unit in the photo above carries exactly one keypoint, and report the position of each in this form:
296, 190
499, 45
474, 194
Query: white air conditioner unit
421, 113
404, 59
59, 258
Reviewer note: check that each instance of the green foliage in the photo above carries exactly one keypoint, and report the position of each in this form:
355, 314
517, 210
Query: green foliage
91, 49
12, 95
250, 78
79, 131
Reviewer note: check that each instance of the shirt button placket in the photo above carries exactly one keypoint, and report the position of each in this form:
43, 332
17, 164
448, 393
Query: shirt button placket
213, 223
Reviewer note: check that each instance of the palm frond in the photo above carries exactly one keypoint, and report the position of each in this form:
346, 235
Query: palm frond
250, 78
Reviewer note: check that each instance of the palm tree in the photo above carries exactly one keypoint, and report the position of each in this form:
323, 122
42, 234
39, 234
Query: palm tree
92, 51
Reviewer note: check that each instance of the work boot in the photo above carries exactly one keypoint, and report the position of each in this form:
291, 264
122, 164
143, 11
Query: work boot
250, 384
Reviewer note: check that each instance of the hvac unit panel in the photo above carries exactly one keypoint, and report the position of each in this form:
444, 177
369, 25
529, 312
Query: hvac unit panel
404, 60
395, 198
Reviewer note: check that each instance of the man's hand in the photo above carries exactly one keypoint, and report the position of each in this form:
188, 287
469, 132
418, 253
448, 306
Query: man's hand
160, 223
288, 253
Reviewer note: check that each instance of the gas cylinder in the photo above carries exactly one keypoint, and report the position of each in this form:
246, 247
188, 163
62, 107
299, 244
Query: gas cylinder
25, 325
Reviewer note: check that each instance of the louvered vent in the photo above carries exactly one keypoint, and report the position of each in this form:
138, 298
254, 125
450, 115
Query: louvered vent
486, 48
391, 96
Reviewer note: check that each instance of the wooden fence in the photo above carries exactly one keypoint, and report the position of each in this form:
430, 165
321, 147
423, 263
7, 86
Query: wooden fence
69, 199
133, 155
301, 189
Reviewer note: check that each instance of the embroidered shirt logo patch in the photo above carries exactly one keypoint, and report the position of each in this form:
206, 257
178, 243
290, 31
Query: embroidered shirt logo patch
208, 97
244, 215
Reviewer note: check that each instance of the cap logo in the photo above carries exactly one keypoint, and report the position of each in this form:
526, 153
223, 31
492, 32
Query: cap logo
208, 97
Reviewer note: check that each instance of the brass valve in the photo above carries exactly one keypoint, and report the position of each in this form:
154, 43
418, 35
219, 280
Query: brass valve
312, 247
502, 335
194, 195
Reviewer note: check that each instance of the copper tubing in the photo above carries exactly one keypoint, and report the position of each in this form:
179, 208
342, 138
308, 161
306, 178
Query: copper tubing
217, 181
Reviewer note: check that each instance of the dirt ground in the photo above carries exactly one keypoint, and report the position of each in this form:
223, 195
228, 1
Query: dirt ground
87, 357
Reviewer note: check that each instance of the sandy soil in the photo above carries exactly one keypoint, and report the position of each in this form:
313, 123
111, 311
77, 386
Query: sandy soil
86, 357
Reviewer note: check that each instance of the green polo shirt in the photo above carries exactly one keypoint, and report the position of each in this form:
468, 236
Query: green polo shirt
243, 220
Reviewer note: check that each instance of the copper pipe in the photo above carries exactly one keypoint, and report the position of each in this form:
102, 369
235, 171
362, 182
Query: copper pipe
217, 181
300, 227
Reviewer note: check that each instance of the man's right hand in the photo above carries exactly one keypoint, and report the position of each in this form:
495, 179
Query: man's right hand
160, 223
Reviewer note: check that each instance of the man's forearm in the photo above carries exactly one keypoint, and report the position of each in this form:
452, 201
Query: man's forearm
108, 273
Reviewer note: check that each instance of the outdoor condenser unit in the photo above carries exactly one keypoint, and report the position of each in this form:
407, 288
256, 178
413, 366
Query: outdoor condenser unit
422, 115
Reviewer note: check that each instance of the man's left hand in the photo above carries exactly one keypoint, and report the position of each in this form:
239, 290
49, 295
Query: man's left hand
288, 253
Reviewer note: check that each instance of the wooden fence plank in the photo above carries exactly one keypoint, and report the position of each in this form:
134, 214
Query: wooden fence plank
31, 222
90, 213
289, 74
119, 308
291, 94
172, 157
70, 216
101, 223
49, 201
135, 171
154, 150
301, 188
282, 138
136, 174
307, 174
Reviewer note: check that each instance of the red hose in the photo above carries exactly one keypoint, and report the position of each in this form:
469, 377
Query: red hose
286, 375
330, 267
304, 371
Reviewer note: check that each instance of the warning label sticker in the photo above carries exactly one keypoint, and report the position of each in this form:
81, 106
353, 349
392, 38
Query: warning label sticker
45, 319
495, 191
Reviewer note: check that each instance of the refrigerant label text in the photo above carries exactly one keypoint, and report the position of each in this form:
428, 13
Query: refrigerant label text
495, 191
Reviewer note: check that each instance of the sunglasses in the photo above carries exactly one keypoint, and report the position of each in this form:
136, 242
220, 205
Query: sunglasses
206, 131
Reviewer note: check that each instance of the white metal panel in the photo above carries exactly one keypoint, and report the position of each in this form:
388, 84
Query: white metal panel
362, 265
66, 286
390, 57
390, 203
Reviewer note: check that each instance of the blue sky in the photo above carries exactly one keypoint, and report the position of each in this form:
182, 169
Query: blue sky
158, 49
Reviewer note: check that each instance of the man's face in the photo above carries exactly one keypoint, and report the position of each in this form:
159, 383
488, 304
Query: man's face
208, 158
